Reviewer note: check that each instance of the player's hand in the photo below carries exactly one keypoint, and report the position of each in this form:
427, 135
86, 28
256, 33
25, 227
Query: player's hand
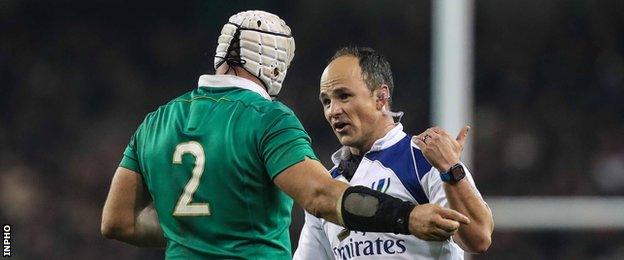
434, 223
439, 148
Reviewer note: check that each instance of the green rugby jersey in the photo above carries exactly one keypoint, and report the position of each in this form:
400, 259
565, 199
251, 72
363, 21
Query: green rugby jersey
208, 159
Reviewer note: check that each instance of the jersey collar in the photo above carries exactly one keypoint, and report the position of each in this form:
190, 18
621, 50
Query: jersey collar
392, 137
228, 81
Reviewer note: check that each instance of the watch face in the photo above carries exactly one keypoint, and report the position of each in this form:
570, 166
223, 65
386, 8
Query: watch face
458, 172
455, 174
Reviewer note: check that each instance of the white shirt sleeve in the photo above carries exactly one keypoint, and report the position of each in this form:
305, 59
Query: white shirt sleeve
313, 242
432, 185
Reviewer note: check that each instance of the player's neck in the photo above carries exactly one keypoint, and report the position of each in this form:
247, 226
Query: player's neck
385, 126
239, 72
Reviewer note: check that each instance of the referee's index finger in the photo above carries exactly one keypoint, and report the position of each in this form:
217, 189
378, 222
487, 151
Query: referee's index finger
447, 225
454, 215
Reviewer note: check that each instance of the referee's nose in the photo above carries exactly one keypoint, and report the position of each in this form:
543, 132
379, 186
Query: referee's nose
334, 110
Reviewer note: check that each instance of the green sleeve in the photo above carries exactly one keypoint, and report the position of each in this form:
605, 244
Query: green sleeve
284, 144
130, 159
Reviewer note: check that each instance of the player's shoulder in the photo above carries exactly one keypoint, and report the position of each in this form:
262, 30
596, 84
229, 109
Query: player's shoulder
186, 97
165, 108
248, 99
266, 106
270, 110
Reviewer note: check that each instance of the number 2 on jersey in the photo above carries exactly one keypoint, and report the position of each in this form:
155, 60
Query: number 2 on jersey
184, 206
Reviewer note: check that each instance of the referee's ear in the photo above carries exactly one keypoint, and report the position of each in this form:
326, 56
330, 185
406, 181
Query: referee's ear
383, 97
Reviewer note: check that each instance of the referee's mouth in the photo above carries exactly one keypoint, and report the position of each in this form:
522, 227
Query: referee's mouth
341, 127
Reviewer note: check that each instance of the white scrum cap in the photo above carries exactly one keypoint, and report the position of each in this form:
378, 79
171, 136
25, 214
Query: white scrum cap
261, 43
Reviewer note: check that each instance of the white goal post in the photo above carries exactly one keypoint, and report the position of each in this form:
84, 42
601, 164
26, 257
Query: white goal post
557, 213
452, 106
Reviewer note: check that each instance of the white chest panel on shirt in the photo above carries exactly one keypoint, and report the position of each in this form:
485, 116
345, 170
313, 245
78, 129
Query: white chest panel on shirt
396, 167
394, 171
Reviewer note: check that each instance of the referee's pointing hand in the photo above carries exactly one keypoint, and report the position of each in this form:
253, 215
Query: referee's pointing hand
434, 223
440, 149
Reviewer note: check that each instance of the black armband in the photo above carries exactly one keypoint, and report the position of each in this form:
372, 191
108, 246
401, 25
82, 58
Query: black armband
367, 210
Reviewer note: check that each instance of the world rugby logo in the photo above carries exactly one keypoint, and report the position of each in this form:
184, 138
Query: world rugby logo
381, 185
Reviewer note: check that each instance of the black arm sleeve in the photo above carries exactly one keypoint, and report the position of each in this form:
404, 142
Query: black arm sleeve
367, 210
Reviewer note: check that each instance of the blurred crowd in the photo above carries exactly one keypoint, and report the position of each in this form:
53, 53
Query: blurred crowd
77, 79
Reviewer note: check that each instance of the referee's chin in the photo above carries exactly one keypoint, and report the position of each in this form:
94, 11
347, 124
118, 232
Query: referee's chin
345, 139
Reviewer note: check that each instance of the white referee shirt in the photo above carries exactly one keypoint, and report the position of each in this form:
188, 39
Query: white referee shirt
396, 166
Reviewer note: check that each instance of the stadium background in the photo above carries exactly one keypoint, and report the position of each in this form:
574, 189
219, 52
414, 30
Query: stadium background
78, 77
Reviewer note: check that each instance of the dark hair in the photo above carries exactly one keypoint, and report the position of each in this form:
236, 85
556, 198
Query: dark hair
375, 67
